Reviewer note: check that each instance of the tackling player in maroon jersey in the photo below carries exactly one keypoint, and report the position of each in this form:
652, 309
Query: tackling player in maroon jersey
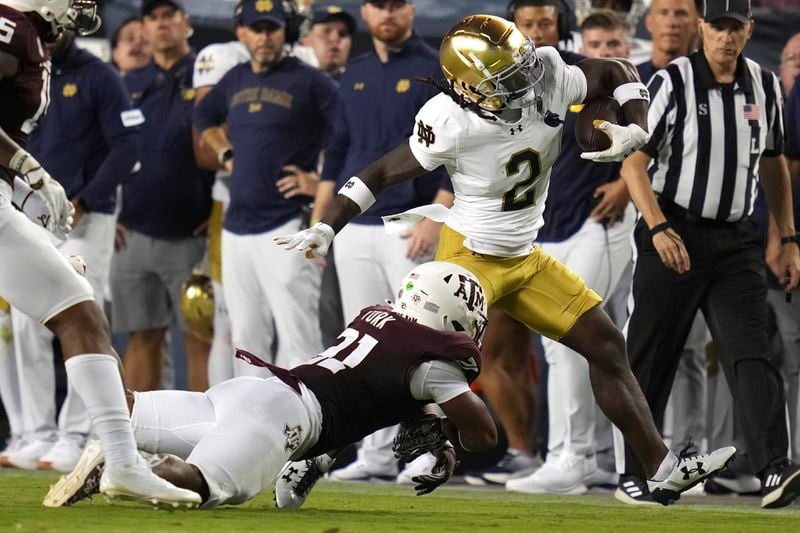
232, 441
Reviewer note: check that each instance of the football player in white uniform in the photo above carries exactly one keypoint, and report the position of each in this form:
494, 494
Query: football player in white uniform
497, 131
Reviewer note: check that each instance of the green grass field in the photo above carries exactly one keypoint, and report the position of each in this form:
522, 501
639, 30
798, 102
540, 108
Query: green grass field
335, 508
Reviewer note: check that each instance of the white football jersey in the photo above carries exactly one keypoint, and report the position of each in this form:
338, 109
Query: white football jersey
215, 60
212, 63
500, 171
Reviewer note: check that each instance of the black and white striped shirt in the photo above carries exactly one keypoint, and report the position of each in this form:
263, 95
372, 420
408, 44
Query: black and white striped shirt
707, 138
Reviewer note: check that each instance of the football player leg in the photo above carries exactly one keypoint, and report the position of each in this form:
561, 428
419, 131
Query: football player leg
40, 282
584, 327
507, 381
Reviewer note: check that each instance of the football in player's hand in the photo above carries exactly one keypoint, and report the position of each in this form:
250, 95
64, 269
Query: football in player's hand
589, 138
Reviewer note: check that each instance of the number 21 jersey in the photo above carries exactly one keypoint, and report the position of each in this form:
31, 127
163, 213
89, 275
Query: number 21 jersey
363, 382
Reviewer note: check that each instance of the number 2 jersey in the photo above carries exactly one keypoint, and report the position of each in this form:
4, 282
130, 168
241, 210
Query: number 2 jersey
364, 383
500, 171
24, 96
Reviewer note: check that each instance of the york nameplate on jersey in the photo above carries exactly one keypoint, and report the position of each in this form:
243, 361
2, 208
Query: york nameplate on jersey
425, 134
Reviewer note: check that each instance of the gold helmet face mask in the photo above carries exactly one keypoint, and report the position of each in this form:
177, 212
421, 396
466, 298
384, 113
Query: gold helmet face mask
490, 62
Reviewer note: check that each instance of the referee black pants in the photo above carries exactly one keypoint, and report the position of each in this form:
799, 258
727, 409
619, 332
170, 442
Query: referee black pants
727, 282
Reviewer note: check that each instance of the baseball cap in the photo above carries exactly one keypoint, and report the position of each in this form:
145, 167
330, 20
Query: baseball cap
734, 9
328, 12
149, 5
254, 11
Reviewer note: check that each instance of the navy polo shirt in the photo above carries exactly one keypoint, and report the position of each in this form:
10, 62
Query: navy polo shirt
646, 71
572, 181
278, 117
377, 106
791, 148
170, 196
89, 138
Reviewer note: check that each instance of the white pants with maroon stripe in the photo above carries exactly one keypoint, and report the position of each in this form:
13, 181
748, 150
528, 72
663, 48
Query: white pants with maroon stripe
239, 433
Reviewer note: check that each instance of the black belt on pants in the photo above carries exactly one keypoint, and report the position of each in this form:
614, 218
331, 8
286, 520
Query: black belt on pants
673, 211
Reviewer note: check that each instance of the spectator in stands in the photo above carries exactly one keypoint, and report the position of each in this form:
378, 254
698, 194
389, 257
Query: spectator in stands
673, 27
603, 35
166, 205
129, 49
789, 67
330, 37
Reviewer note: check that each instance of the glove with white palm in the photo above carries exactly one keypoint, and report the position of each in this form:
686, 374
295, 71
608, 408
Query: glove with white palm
47, 206
314, 241
625, 140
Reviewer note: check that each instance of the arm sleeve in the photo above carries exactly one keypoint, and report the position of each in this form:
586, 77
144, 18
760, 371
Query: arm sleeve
774, 144
658, 116
212, 110
569, 80
438, 381
119, 126
434, 140
792, 146
338, 145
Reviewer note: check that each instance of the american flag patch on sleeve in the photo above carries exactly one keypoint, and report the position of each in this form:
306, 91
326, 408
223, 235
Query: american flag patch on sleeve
752, 111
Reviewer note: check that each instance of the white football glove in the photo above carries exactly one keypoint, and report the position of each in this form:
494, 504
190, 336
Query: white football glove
57, 217
625, 140
314, 241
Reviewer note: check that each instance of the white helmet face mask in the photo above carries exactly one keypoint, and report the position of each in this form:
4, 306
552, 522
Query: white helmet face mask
517, 83
78, 15
445, 297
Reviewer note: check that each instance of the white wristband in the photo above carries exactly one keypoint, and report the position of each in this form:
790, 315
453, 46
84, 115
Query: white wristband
631, 91
357, 190
22, 162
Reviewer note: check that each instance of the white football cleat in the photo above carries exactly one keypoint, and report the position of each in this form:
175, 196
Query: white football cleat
688, 471
138, 482
134, 482
296, 480
82, 482
565, 473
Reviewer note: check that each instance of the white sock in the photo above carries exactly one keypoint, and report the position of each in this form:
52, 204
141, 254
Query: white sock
666, 466
96, 379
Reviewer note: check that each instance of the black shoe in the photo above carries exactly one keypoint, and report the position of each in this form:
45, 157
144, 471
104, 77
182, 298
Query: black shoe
633, 491
780, 485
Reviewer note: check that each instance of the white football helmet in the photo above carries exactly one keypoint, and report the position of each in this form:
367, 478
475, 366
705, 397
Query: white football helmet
445, 297
78, 15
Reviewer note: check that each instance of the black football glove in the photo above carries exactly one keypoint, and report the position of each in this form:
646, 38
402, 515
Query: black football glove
446, 462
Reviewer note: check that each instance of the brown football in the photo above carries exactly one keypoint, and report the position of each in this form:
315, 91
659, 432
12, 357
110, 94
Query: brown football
589, 138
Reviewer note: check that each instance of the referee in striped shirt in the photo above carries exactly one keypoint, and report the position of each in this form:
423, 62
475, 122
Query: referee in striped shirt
716, 125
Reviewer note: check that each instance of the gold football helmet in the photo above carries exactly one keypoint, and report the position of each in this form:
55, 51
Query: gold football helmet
197, 306
490, 62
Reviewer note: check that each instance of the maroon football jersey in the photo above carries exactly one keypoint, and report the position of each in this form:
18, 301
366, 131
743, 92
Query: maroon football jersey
363, 382
25, 96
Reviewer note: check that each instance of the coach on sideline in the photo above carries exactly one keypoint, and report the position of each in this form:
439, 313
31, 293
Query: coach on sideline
715, 118
278, 112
